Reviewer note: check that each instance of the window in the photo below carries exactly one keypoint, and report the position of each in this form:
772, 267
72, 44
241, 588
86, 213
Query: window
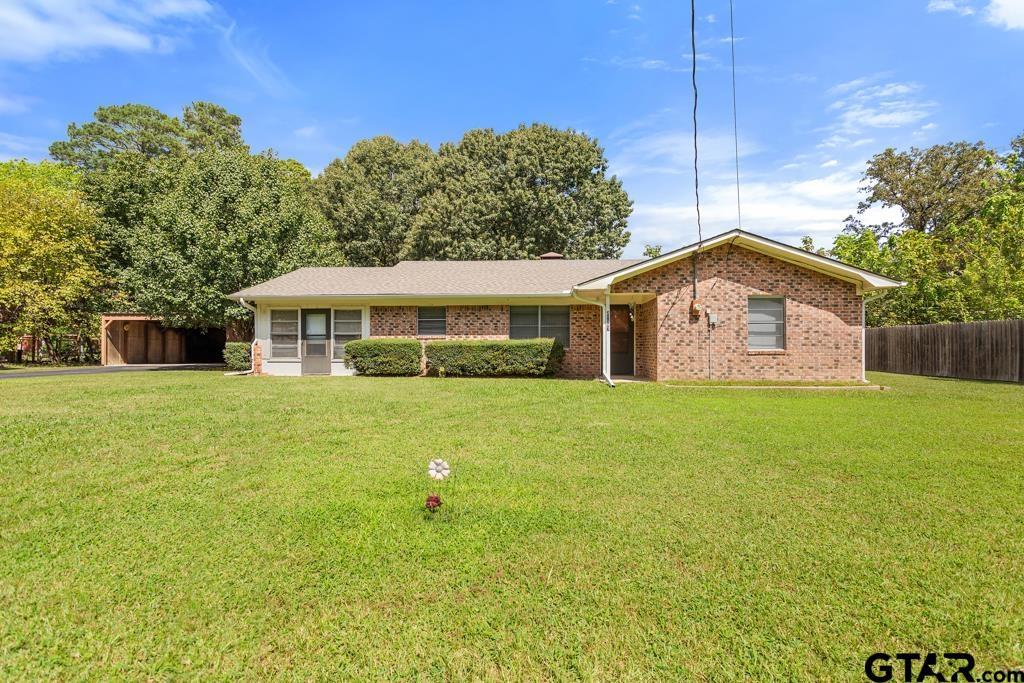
284, 333
766, 323
348, 325
431, 321
530, 322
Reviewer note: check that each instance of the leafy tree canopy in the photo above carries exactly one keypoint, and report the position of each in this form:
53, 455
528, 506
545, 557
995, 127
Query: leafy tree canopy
224, 220
146, 131
966, 260
49, 282
490, 196
372, 196
652, 250
933, 187
518, 195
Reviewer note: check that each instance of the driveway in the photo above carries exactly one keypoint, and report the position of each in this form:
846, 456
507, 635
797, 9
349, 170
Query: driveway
106, 369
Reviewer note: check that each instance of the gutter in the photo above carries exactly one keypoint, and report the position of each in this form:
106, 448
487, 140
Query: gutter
605, 312
252, 345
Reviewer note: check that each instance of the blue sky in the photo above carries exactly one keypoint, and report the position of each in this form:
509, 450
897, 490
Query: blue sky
822, 85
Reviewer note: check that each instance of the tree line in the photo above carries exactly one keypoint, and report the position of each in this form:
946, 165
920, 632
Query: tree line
140, 211
960, 244
165, 215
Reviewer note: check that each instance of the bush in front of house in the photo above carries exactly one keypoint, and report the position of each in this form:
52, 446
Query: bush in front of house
384, 356
498, 358
237, 356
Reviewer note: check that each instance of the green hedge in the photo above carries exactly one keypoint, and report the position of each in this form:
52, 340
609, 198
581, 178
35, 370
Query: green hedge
384, 356
502, 358
237, 356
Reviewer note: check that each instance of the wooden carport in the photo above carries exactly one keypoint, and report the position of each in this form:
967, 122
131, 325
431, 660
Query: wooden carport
139, 339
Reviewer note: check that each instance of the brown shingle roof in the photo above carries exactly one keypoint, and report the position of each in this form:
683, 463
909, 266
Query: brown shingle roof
420, 278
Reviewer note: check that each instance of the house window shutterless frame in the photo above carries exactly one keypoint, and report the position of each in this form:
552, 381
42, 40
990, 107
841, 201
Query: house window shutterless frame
531, 322
766, 323
431, 321
284, 333
348, 326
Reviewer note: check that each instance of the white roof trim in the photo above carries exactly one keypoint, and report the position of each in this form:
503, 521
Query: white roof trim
865, 280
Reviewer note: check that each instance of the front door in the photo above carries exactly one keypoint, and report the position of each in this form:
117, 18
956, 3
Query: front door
622, 340
316, 358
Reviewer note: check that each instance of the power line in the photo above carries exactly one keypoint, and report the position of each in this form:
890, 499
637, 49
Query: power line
735, 124
696, 179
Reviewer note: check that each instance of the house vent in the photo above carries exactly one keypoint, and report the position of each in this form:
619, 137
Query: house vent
550, 256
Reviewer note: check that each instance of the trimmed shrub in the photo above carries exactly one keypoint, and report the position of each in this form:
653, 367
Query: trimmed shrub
501, 358
384, 356
237, 356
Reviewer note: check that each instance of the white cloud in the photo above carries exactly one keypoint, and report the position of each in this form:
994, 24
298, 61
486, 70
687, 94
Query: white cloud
1008, 14
785, 210
37, 30
711, 18
306, 131
19, 146
961, 8
830, 163
255, 60
865, 104
671, 152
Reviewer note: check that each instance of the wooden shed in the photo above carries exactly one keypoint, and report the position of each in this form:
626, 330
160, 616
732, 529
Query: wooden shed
138, 339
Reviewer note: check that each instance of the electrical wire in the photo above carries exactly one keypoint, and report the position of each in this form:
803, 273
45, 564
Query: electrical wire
696, 179
735, 124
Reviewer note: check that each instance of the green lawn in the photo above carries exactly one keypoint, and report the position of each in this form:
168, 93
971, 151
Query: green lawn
186, 524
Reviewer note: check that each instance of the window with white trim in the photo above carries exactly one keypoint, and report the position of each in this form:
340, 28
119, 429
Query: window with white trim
766, 323
284, 333
531, 322
348, 326
431, 321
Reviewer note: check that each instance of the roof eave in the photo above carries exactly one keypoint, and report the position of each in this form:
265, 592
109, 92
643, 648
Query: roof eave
399, 295
865, 280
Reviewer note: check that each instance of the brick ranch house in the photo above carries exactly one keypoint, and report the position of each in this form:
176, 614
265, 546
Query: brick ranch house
765, 310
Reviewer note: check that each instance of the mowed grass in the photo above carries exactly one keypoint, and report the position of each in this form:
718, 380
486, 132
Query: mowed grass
191, 525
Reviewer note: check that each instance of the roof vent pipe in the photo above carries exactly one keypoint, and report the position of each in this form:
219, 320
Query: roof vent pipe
550, 256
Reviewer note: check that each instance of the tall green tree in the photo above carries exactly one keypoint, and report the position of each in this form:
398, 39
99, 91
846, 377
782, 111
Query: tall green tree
519, 194
225, 220
491, 196
148, 132
967, 263
933, 187
49, 282
117, 152
372, 196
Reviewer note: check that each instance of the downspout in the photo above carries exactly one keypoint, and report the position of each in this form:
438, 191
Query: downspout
252, 345
864, 299
863, 339
605, 340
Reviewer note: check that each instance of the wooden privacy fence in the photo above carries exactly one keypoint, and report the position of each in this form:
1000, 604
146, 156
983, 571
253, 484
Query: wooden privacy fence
991, 349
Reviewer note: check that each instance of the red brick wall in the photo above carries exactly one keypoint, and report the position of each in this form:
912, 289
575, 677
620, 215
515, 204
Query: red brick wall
583, 357
646, 340
823, 320
392, 321
477, 322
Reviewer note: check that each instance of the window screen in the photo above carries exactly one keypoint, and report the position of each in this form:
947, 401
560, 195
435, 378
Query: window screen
284, 333
531, 322
348, 325
431, 321
766, 323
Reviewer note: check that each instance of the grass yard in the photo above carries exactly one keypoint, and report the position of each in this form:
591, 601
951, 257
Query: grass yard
187, 524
